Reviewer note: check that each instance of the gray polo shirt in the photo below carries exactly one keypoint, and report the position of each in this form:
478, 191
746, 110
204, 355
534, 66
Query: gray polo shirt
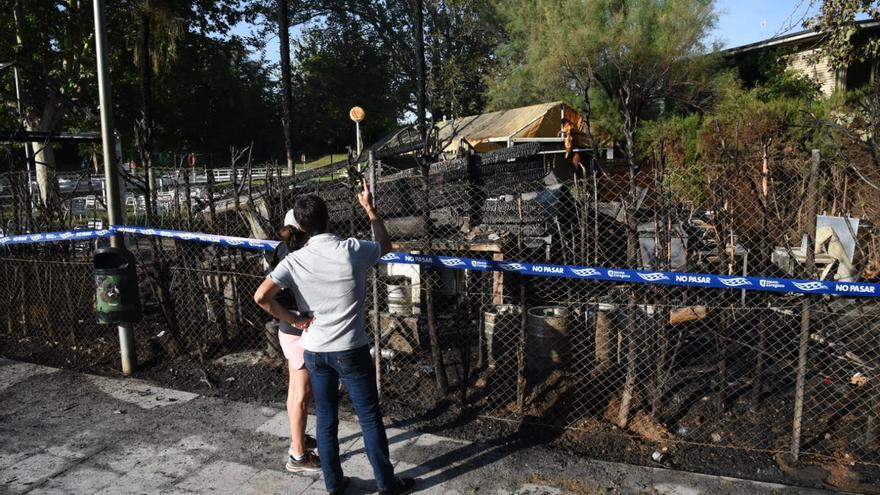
328, 277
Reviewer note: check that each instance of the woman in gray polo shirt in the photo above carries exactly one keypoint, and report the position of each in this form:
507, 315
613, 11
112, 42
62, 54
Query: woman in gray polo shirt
328, 277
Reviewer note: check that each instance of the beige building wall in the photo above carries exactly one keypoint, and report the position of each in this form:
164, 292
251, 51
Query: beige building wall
816, 68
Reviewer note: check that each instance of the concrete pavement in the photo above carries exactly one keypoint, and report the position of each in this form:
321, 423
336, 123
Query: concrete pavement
65, 432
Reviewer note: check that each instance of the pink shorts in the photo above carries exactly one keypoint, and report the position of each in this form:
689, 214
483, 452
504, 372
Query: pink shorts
293, 351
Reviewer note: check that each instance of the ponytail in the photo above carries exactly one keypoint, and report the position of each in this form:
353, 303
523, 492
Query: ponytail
293, 237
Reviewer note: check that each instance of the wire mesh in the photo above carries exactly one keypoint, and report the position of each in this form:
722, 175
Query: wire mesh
659, 365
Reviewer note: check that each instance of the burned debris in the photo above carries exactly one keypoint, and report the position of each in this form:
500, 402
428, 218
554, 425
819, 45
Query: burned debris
672, 366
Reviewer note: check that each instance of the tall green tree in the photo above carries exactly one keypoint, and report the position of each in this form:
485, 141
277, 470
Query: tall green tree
156, 47
50, 43
286, 91
383, 22
639, 53
462, 36
855, 122
339, 64
215, 95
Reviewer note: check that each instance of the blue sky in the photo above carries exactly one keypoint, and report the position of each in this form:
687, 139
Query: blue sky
739, 22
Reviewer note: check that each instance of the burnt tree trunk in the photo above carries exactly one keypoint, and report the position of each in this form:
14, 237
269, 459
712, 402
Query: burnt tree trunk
146, 135
428, 273
632, 256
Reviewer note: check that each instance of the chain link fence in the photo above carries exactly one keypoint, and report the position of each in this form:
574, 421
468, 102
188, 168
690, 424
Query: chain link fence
662, 369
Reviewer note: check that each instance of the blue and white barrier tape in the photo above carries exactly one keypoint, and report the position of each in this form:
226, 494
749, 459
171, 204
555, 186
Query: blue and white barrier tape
223, 240
65, 235
565, 271
643, 276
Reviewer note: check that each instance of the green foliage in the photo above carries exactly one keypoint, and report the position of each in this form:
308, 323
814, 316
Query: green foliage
53, 47
341, 64
215, 96
204, 96
841, 43
699, 147
641, 54
166, 28
522, 78
210, 94
679, 138
733, 130
778, 80
460, 38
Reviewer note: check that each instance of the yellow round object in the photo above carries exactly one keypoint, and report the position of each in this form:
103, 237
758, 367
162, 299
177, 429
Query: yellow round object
357, 114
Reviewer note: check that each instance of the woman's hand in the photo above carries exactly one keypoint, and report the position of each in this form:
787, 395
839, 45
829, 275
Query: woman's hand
365, 197
302, 322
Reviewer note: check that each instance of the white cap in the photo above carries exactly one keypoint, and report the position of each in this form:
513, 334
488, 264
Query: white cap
290, 219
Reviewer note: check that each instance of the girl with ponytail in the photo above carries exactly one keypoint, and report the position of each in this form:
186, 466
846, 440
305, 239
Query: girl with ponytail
301, 454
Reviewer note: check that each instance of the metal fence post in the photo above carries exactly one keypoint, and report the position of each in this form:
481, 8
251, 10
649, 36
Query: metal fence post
812, 206
377, 332
112, 178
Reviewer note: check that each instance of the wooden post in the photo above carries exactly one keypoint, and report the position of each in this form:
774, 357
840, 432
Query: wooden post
236, 199
282, 187
426, 272
212, 207
757, 379
497, 282
187, 191
633, 325
765, 169
427, 286
662, 325
812, 204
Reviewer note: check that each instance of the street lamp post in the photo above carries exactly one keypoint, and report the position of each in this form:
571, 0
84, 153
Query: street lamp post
27, 149
357, 114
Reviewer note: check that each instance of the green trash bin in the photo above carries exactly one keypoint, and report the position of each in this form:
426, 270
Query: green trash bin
117, 299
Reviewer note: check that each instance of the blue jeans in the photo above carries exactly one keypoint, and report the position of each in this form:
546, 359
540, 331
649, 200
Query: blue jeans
355, 368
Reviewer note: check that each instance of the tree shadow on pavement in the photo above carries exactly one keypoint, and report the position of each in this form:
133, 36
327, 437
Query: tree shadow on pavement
433, 465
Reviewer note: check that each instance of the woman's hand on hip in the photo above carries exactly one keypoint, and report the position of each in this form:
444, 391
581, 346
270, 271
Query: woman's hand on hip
302, 322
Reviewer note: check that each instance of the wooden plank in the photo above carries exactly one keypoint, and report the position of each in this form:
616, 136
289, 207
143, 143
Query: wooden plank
498, 282
447, 246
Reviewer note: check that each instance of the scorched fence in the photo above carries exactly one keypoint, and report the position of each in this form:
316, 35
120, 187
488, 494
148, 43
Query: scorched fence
595, 299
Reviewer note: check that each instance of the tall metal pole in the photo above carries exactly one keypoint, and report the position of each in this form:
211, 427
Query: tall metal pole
377, 318
27, 146
112, 176
360, 143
